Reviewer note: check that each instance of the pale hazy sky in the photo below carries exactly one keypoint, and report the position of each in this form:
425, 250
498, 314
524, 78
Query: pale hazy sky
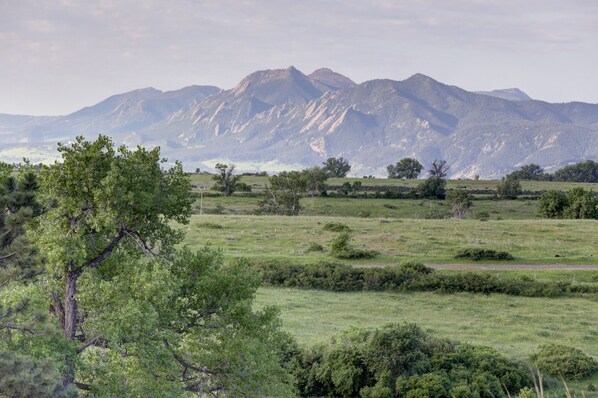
57, 56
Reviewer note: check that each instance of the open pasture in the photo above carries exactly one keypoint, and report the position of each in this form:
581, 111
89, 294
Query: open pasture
397, 240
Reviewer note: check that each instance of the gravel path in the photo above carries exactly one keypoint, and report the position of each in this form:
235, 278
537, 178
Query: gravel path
493, 266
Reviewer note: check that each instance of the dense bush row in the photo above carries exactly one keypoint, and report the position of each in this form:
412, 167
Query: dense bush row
477, 254
403, 361
408, 277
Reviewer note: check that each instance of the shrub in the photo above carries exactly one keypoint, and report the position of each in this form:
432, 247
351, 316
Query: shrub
568, 362
402, 360
341, 249
315, 247
477, 254
336, 227
210, 225
482, 215
509, 189
432, 188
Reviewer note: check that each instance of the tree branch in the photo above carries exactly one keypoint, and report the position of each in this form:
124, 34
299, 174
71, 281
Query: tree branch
19, 328
184, 363
140, 242
88, 343
106, 252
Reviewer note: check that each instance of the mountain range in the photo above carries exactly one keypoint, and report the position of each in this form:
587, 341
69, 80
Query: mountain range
283, 119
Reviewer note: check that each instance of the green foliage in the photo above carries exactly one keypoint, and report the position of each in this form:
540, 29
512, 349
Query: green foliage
340, 248
403, 361
409, 277
23, 376
108, 204
316, 180
337, 168
19, 208
577, 203
226, 181
581, 204
509, 189
529, 172
552, 204
282, 195
568, 362
477, 254
581, 172
432, 188
460, 203
407, 168
482, 215
315, 247
336, 227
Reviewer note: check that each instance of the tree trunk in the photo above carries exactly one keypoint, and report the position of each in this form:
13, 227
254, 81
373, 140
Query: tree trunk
70, 319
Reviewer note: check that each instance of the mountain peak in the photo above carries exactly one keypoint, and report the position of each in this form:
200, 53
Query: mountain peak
326, 80
276, 86
511, 94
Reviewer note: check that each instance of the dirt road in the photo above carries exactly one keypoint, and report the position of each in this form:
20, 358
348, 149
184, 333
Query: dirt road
494, 266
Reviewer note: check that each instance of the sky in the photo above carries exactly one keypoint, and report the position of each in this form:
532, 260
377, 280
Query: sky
57, 56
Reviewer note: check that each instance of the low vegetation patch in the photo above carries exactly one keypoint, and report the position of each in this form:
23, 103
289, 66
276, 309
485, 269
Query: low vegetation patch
209, 225
315, 247
409, 277
563, 361
341, 249
336, 227
404, 361
477, 254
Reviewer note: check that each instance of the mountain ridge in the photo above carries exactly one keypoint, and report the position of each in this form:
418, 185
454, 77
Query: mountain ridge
285, 118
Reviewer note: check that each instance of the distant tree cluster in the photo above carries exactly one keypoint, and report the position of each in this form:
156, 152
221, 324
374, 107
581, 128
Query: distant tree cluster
581, 172
577, 203
406, 168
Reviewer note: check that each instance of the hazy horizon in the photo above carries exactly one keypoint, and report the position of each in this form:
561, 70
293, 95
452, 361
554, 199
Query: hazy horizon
59, 56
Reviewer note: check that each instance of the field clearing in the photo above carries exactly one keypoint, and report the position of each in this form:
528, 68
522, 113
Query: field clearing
376, 208
573, 242
258, 183
514, 326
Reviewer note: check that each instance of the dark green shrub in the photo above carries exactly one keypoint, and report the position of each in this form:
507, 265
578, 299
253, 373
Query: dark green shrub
210, 225
336, 227
477, 254
404, 361
315, 247
432, 188
341, 249
482, 215
560, 360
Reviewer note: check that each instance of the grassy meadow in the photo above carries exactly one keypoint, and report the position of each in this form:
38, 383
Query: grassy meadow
402, 230
514, 326
397, 240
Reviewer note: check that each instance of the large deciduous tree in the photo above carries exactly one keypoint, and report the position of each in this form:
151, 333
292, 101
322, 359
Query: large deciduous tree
226, 181
338, 168
439, 168
284, 192
107, 200
407, 168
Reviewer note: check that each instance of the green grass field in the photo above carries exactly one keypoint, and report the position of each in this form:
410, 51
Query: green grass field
376, 208
515, 326
258, 183
398, 240
399, 230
